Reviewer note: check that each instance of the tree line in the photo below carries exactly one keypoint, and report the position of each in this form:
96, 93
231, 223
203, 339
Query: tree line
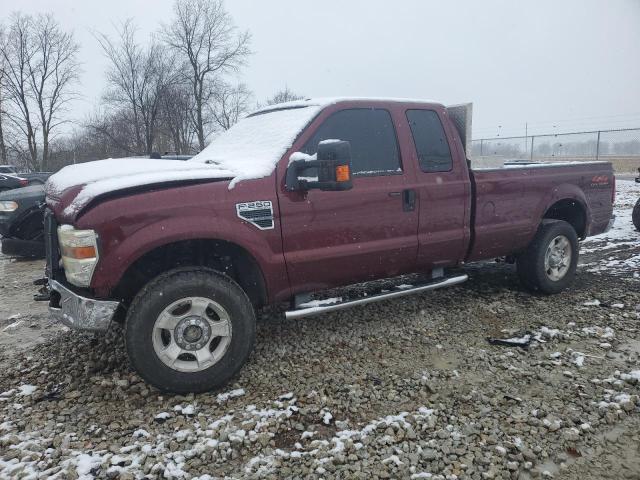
169, 93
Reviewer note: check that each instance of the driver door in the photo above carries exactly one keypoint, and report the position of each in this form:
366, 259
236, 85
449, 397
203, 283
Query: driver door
333, 238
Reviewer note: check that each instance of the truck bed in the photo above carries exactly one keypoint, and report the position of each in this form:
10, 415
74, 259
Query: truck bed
510, 201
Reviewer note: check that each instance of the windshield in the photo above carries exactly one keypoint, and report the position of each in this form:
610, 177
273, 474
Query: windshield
7, 169
253, 146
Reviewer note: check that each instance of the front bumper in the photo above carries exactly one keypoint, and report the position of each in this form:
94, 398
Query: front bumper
78, 312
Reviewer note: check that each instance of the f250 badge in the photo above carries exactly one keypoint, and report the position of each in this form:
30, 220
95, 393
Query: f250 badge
258, 213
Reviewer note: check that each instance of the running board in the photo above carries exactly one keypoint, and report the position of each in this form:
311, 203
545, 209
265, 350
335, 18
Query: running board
306, 312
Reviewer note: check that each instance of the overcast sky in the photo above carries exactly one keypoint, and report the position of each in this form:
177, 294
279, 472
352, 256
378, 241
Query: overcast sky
560, 65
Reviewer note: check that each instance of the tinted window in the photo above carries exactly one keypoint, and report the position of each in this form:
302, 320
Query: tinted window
431, 142
374, 149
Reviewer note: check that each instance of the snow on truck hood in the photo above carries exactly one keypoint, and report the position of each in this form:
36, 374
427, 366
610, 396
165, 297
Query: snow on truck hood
248, 150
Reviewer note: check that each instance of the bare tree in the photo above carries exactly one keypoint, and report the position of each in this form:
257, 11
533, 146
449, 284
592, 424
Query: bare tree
3, 147
176, 118
17, 51
51, 75
205, 38
138, 78
40, 71
230, 103
284, 95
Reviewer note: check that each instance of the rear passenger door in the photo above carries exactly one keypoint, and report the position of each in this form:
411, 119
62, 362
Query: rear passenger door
333, 238
443, 189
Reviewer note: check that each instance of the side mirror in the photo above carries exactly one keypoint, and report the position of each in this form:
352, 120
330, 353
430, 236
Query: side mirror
328, 170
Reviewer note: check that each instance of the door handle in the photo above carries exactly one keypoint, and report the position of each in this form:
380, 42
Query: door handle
394, 194
408, 200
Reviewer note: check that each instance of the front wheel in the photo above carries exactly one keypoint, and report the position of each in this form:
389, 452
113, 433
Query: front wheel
549, 263
189, 330
635, 216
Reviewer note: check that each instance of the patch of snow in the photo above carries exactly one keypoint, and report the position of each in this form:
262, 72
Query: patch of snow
622, 239
633, 375
85, 463
392, 459
326, 418
187, 410
592, 303
7, 394
223, 397
320, 303
578, 358
606, 332
295, 156
524, 340
27, 389
13, 326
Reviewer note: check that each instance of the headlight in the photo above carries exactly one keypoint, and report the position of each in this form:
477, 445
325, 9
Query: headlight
8, 206
79, 249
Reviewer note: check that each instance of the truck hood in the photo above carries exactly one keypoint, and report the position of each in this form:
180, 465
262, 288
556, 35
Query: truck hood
74, 187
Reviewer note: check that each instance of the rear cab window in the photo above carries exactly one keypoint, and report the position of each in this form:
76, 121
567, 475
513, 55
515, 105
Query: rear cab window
432, 147
374, 145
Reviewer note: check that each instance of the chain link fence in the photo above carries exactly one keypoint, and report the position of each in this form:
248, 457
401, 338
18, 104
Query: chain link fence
620, 147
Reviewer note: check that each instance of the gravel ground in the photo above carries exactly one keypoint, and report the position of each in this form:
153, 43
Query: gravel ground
409, 388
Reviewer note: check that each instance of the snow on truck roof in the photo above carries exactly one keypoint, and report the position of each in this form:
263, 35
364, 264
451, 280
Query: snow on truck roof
323, 102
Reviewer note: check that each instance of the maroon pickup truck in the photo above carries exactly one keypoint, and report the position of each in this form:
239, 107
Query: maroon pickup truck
293, 200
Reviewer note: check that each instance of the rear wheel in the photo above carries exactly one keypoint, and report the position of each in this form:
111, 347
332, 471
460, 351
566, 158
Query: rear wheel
189, 330
549, 263
635, 216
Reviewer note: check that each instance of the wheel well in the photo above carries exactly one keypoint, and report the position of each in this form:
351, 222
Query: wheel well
220, 255
571, 212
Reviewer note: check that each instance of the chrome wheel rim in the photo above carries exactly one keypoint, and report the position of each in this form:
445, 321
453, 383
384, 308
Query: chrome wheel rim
192, 334
557, 259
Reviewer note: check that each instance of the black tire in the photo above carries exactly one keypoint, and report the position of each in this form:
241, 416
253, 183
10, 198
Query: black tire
531, 263
635, 216
162, 292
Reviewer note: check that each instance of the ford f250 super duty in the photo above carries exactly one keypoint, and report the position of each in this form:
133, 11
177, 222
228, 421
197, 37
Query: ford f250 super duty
295, 199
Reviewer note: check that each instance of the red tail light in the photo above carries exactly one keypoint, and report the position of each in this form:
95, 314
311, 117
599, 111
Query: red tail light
24, 182
613, 189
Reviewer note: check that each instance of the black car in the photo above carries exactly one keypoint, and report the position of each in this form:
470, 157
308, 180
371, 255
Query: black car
35, 178
21, 221
9, 182
22, 217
